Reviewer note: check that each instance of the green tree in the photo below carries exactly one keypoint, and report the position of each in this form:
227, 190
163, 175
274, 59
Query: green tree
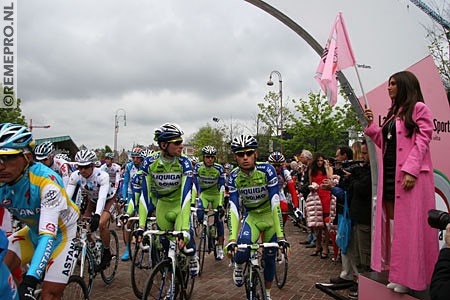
208, 135
317, 126
13, 115
269, 133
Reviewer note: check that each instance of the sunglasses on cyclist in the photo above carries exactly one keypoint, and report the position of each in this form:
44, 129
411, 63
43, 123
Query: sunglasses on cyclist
84, 167
243, 153
8, 159
176, 142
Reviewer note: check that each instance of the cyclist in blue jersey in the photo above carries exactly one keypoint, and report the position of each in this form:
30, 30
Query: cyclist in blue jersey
256, 186
8, 288
131, 169
35, 195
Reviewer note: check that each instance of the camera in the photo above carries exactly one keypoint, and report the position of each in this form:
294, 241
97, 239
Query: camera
346, 165
438, 219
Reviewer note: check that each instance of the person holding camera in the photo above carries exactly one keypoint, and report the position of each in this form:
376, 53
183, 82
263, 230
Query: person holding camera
359, 190
440, 282
403, 242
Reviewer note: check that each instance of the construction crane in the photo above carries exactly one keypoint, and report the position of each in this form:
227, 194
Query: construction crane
434, 15
31, 126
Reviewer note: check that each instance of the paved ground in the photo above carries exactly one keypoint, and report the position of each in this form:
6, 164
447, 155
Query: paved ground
216, 280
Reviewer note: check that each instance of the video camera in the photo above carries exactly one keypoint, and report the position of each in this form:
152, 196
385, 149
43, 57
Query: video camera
346, 165
438, 219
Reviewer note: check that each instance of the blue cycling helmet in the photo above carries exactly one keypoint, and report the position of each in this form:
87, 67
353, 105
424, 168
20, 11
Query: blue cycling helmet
15, 138
167, 132
243, 142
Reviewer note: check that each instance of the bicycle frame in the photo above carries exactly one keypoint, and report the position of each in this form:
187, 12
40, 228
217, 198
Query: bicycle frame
171, 255
252, 265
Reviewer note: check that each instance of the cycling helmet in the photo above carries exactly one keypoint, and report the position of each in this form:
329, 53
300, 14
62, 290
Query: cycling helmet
44, 150
15, 138
98, 164
85, 157
136, 152
194, 159
277, 157
209, 150
167, 132
228, 166
62, 156
242, 142
109, 155
147, 152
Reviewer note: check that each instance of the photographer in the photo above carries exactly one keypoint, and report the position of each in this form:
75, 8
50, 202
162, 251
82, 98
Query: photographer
440, 282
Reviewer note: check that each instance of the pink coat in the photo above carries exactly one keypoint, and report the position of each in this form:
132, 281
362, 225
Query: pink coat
414, 249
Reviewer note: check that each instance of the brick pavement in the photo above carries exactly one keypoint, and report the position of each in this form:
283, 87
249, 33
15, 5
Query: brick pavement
216, 280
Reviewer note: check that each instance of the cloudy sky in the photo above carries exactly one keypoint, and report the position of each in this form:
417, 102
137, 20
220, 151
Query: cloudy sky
182, 61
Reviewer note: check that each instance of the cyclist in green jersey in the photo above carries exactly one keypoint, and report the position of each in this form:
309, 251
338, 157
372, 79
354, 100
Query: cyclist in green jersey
168, 181
256, 184
209, 179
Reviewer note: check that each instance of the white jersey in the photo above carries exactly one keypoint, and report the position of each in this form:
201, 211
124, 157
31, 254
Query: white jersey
62, 167
96, 186
114, 174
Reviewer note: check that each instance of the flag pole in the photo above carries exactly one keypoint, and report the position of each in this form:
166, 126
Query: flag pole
362, 89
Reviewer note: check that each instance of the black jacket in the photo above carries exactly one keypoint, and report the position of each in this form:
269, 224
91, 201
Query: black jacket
440, 282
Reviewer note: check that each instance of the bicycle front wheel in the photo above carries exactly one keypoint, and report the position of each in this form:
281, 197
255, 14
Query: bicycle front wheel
257, 290
201, 249
281, 268
75, 289
88, 272
111, 270
143, 262
158, 285
188, 280
131, 242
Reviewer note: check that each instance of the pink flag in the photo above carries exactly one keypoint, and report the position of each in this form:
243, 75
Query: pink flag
337, 55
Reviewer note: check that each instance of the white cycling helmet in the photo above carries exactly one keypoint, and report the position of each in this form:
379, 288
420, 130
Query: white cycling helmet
194, 160
209, 150
62, 156
85, 157
277, 157
243, 142
147, 152
44, 150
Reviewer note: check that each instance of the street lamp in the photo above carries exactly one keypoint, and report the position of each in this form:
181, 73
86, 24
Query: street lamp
270, 83
117, 118
217, 120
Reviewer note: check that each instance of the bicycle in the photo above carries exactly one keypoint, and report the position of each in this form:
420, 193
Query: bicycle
75, 290
88, 255
253, 280
208, 237
170, 279
281, 267
147, 254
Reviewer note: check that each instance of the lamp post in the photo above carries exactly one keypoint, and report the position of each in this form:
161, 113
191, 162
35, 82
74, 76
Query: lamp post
217, 120
117, 118
270, 83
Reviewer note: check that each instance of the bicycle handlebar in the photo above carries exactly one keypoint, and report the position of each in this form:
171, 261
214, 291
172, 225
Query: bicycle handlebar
174, 233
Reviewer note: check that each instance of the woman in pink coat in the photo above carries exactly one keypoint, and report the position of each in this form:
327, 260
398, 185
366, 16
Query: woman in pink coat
403, 242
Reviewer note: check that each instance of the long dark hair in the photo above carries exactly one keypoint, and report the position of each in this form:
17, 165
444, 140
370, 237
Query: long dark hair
408, 94
313, 165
